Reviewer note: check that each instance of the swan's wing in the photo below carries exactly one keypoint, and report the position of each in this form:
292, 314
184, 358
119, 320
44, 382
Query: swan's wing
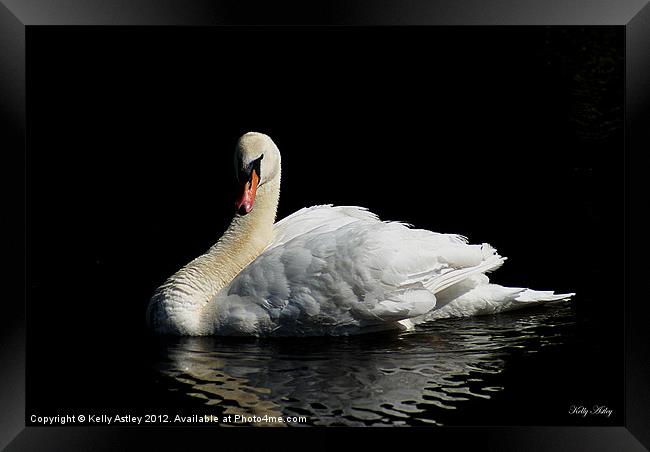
320, 218
338, 270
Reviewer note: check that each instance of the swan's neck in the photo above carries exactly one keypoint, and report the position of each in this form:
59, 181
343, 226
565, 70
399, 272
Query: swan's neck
185, 293
243, 241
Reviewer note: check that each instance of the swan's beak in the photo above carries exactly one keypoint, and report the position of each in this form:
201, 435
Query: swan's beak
246, 195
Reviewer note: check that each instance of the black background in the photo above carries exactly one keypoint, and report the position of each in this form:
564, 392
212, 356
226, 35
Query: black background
482, 132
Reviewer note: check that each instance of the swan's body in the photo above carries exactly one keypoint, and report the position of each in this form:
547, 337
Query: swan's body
325, 270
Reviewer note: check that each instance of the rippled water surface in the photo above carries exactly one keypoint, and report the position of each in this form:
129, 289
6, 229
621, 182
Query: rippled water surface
410, 378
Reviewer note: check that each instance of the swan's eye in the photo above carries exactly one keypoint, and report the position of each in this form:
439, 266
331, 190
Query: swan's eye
245, 174
257, 166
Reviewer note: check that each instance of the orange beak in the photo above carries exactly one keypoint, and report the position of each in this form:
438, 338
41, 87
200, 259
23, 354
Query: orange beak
246, 195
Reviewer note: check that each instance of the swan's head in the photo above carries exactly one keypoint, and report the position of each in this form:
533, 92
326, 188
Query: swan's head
257, 162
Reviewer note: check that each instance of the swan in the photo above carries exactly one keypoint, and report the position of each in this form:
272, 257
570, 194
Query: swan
324, 270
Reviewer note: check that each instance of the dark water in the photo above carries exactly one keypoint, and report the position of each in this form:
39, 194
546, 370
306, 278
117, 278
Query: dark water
422, 377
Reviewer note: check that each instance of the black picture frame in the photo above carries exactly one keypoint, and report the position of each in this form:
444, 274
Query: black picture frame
16, 19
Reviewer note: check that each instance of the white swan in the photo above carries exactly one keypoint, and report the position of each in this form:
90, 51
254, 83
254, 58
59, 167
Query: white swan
324, 270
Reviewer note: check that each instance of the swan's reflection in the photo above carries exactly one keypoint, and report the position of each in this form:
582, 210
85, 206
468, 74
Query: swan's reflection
366, 380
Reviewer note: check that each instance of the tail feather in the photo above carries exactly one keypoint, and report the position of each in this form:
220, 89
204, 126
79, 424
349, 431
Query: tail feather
535, 296
491, 299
